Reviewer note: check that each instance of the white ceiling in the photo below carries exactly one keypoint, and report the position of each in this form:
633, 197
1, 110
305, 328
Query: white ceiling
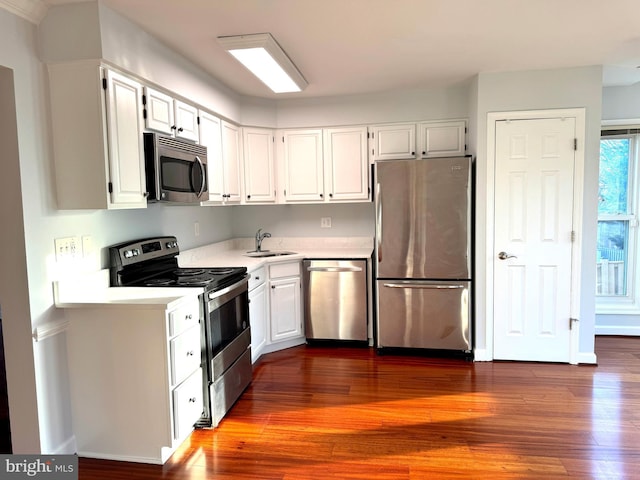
346, 47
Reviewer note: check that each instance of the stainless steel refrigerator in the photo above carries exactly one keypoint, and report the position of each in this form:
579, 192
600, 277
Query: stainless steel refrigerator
423, 253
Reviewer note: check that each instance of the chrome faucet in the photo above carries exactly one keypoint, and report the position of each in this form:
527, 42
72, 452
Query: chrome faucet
259, 237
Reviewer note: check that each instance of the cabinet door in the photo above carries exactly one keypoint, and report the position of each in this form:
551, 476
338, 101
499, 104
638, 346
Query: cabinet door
186, 117
303, 166
258, 320
285, 314
442, 139
346, 175
126, 148
392, 142
259, 171
211, 137
159, 111
231, 162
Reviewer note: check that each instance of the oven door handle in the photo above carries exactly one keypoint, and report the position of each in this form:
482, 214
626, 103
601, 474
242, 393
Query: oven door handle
220, 297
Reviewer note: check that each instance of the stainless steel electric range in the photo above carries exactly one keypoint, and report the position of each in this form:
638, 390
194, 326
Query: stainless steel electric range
224, 314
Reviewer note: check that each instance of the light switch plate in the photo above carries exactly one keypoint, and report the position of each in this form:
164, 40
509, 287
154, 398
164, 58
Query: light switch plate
325, 222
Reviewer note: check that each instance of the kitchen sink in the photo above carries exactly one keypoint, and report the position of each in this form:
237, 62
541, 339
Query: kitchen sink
268, 253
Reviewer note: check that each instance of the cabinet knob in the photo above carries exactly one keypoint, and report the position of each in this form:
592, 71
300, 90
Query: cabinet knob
331, 195
321, 196
173, 127
248, 197
257, 278
190, 353
188, 317
424, 153
413, 153
145, 194
181, 129
273, 286
192, 400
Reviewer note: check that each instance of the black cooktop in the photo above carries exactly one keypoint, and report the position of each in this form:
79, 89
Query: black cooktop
153, 262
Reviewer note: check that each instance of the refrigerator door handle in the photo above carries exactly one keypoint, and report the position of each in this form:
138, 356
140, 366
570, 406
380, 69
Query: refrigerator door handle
427, 287
334, 269
379, 221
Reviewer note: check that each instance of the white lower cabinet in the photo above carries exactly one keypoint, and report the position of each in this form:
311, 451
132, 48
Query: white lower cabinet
285, 312
135, 379
258, 313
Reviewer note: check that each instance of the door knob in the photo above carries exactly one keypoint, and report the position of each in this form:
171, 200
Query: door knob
505, 255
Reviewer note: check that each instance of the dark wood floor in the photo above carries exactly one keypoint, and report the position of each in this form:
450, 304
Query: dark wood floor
346, 413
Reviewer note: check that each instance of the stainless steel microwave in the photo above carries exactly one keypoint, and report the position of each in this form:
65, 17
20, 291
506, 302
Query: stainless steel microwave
176, 170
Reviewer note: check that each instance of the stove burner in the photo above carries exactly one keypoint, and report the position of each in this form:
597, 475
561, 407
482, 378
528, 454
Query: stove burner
221, 270
158, 282
188, 272
194, 280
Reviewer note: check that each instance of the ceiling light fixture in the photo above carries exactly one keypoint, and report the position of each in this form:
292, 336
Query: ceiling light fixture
262, 55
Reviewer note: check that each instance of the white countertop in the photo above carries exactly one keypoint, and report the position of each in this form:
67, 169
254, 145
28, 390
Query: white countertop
232, 253
93, 290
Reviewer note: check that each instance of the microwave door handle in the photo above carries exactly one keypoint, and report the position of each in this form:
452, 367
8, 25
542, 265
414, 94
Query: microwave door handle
204, 177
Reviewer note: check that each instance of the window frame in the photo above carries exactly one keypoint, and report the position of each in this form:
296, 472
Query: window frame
628, 304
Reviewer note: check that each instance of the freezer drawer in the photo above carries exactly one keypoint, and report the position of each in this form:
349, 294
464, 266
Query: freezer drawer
423, 314
335, 299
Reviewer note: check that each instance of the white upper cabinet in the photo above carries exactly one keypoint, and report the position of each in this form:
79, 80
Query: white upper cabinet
259, 165
167, 115
211, 137
186, 117
223, 158
303, 167
346, 167
126, 148
442, 139
231, 162
97, 129
393, 142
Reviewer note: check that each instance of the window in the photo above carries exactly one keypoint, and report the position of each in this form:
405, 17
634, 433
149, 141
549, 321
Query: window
617, 242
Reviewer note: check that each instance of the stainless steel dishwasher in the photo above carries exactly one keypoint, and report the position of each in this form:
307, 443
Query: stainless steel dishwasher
335, 299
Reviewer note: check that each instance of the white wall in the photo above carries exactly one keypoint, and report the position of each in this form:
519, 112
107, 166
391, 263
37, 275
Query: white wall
49, 429
538, 90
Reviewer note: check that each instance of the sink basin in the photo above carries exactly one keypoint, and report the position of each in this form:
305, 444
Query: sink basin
268, 253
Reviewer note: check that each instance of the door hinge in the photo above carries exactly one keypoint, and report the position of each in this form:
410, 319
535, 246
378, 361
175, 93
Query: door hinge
110, 186
104, 83
144, 99
144, 113
573, 236
575, 144
571, 322
198, 119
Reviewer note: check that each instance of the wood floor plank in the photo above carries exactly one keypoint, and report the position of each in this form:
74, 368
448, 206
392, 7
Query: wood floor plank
347, 413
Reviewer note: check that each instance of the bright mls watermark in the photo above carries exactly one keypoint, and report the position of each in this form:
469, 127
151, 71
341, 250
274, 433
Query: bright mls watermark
52, 467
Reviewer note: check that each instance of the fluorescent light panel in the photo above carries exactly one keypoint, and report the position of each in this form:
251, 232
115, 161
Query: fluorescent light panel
263, 57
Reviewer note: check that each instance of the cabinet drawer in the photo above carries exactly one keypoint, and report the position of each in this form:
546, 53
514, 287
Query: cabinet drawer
185, 354
184, 317
257, 278
280, 270
187, 405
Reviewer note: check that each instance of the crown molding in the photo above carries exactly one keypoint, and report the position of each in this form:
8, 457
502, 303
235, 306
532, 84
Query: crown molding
31, 10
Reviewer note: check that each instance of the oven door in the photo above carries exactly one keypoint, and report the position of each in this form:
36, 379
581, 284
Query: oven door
227, 326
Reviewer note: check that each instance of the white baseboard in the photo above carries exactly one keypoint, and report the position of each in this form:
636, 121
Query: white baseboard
68, 447
587, 358
626, 330
482, 355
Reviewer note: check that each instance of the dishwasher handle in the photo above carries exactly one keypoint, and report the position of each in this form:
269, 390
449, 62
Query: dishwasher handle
334, 269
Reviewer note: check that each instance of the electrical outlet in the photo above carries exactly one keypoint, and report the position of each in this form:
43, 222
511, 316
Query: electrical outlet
87, 246
196, 229
325, 222
68, 248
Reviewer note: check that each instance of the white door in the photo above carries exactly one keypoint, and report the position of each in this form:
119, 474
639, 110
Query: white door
534, 174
